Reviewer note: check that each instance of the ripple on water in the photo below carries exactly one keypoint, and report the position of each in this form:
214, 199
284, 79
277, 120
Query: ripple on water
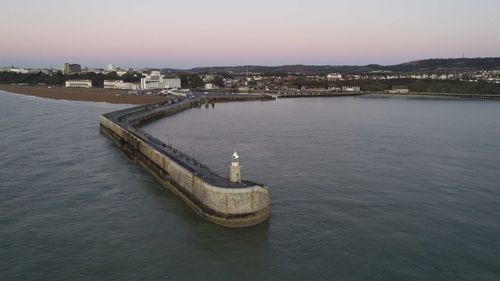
361, 189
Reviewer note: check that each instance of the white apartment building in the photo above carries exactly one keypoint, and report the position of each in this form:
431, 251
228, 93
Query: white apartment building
399, 90
210, 86
121, 72
156, 81
351, 89
333, 77
120, 85
19, 70
78, 84
152, 81
172, 83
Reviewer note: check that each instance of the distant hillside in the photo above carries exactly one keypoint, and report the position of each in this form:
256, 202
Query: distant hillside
298, 68
448, 64
427, 65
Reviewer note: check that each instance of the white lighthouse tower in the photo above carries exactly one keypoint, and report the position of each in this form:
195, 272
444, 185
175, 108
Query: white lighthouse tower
235, 168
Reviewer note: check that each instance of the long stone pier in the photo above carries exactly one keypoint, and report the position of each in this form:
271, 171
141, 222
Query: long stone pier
413, 94
452, 95
213, 197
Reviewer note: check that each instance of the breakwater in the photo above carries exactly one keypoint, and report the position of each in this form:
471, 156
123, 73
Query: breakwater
449, 95
414, 94
215, 198
319, 94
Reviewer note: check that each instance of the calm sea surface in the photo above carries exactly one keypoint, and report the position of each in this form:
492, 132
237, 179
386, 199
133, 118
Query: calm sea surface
361, 189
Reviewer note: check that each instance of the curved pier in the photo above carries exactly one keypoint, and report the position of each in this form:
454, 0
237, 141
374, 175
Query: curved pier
215, 198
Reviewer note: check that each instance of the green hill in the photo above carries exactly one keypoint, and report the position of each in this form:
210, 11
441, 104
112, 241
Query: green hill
427, 65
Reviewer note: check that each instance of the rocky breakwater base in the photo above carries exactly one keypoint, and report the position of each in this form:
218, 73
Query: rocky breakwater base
229, 202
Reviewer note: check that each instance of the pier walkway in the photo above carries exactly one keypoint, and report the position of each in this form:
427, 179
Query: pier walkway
132, 118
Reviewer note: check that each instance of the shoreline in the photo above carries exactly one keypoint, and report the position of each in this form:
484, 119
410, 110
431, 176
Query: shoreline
81, 94
411, 95
122, 97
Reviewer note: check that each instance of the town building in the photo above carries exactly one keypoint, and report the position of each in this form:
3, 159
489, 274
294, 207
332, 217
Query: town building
313, 89
19, 70
72, 68
207, 77
156, 81
399, 90
351, 89
87, 69
121, 72
172, 82
78, 83
210, 86
334, 77
152, 81
120, 85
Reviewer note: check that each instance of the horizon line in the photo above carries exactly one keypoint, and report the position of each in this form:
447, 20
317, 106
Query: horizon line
258, 65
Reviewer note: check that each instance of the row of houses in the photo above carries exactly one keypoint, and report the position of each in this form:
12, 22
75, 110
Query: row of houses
332, 89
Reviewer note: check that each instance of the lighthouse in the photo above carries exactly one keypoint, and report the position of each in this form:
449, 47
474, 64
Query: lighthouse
235, 169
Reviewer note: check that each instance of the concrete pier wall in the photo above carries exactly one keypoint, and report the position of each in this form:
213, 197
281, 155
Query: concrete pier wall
239, 206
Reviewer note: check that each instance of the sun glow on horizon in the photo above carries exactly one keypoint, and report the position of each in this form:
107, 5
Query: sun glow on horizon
198, 33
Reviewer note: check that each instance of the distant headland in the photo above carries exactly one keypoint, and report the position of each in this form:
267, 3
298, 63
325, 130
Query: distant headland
424, 65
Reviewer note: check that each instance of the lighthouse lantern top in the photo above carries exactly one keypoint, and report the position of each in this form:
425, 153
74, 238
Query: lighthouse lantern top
235, 157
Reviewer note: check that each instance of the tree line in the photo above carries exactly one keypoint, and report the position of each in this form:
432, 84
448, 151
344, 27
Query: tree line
414, 85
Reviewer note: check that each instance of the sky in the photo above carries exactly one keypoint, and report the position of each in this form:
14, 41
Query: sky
190, 33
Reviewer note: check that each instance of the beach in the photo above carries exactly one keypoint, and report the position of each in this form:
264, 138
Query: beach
81, 94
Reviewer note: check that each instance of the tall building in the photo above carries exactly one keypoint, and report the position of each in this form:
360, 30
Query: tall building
172, 83
152, 81
156, 81
72, 68
111, 67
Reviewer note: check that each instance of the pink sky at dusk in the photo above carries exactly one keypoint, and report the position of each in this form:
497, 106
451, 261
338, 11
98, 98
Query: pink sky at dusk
200, 33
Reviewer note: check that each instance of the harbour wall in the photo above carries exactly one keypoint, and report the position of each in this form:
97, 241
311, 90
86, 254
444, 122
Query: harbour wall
449, 95
209, 195
319, 94
412, 94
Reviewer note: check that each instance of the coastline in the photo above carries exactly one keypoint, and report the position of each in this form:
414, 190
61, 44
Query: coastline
80, 94
122, 97
411, 95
